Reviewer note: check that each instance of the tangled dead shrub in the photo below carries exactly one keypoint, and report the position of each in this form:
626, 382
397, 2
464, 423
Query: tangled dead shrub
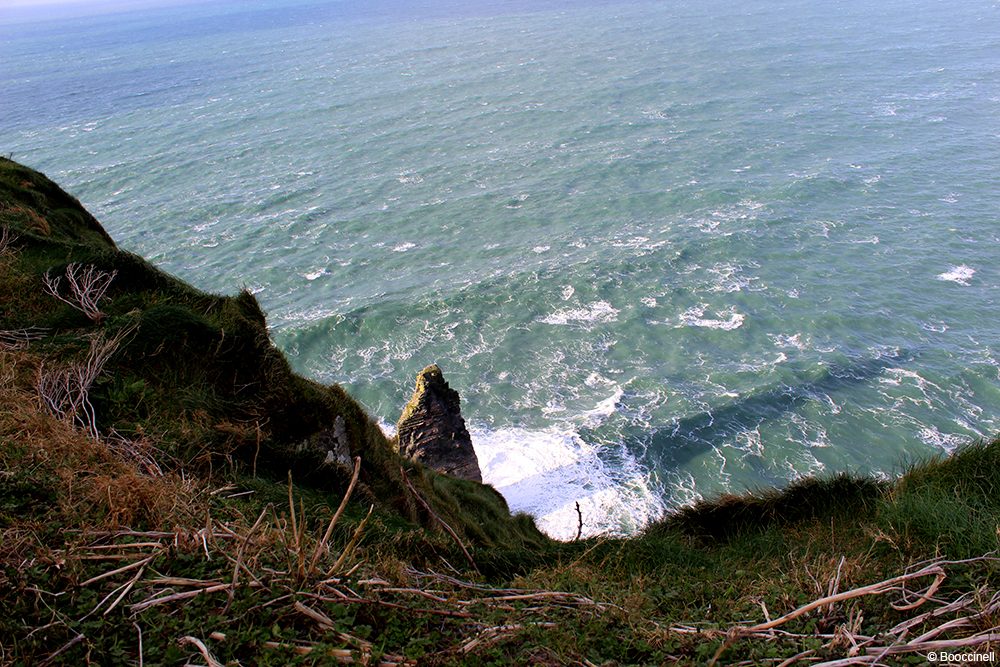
65, 391
87, 286
7, 240
132, 499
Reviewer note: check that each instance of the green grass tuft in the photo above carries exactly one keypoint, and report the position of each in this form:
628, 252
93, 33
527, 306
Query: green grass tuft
809, 498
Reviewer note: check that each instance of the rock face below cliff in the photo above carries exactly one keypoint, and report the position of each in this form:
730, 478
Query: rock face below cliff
431, 429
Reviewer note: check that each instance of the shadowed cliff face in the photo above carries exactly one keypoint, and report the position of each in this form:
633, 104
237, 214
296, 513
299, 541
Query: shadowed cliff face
431, 429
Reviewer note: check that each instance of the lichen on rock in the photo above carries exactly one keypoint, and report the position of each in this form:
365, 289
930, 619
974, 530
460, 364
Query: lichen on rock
338, 451
431, 429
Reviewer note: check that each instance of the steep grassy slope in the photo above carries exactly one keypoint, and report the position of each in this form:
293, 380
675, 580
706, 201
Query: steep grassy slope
196, 372
155, 523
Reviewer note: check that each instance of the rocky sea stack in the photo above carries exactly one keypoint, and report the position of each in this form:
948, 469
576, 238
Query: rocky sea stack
431, 429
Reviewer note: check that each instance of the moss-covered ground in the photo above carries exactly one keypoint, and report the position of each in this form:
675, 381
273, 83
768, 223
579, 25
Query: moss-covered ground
174, 514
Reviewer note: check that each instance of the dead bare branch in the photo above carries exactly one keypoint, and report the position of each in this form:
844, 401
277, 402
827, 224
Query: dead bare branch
65, 647
336, 515
441, 521
353, 543
200, 645
7, 240
873, 650
139, 452
579, 522
65, 392
872, 589
15, 339
87, 286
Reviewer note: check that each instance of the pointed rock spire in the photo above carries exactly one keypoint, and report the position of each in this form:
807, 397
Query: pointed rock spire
431, 429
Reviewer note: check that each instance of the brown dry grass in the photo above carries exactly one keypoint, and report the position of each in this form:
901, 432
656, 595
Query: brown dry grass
118, 491
28, 217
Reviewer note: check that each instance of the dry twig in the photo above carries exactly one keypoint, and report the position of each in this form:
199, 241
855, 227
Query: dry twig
65, 647
355, 538
200, 645
16, 339
65, 392
87, 286
871, 650
427, 507
139, 452
7, 240
579, 522
872, 589
333, 520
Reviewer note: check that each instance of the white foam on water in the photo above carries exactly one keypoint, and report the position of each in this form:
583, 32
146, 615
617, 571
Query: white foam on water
408, 177
567, 292
948, 442
695, 317
300, 317
545, 472
387, 428
936, 327
684, 489
203, 227
886, 109
403, 247
552, 407
961, 274
761, 365
785, 340
596, 380
807, 460
729, 278
633, 242
905, 377
741, 212
811, 433
749, 441
313, 275
707, 225
595, 417
642, 244
598, 311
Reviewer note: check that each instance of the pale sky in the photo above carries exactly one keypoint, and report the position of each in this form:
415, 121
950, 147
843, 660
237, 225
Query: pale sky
17, 4
16, 10
88, 5
70, 3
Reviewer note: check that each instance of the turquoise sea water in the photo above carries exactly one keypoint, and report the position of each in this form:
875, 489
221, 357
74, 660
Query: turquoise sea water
662, 249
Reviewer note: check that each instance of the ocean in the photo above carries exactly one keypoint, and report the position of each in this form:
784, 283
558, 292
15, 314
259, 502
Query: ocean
663, 250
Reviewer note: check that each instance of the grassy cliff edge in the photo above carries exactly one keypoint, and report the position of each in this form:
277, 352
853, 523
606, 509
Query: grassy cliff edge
166, 496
